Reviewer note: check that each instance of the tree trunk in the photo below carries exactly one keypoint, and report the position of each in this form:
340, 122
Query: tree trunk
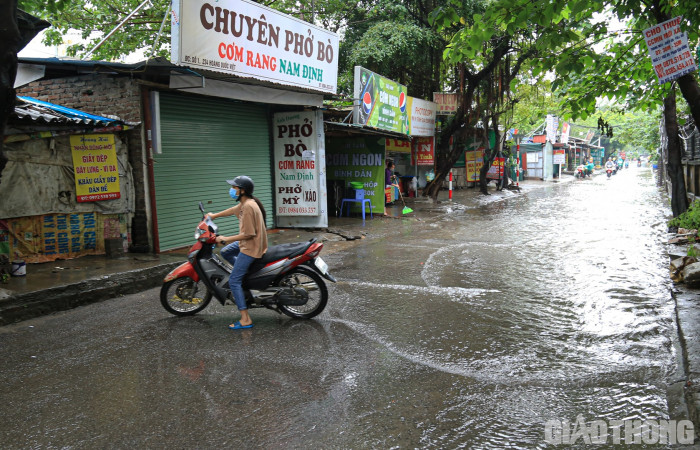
9, 43
691, 92
679, 197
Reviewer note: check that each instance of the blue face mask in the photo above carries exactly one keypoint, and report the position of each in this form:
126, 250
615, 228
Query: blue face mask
232, 193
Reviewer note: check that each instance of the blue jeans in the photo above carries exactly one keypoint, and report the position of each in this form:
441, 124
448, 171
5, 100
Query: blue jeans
241, 263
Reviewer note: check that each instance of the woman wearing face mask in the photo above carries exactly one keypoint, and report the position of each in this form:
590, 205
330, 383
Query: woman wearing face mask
248, 245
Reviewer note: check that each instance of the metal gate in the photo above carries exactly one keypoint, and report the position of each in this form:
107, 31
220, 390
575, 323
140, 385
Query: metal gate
204, 142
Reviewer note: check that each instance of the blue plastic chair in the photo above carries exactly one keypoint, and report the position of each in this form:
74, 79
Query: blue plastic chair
359, 198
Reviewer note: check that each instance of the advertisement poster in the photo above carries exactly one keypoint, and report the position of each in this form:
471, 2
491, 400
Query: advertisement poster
446, 103
475, 161
382, 103
495, 172
296, 163
422, 119
552, 126
60, 236
424, 154
359, 159
669, 51
247, 39
95, 166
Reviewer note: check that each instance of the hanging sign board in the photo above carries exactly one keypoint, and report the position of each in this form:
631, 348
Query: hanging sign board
296, 163
247, 39
95, 166
380, 102
474, 161
447, 103
669, 51
422, 119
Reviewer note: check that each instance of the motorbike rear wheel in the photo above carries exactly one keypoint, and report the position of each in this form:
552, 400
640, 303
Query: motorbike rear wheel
301, 277
180, 296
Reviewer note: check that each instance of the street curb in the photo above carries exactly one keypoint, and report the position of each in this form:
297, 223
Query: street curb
29, 305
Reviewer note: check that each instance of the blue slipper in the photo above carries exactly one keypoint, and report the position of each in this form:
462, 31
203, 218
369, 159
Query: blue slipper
238, 326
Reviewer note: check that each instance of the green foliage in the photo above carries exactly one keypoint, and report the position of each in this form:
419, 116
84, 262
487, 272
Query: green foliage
690, 219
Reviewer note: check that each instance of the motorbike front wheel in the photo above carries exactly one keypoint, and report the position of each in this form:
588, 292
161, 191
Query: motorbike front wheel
301, 277
184, 296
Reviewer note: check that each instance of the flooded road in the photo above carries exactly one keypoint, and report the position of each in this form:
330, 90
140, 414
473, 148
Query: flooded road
470, 327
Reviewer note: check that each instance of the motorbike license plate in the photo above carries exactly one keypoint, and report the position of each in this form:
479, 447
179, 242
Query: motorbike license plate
321, 265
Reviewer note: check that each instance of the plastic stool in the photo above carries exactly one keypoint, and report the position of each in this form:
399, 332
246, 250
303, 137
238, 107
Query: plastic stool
362, 201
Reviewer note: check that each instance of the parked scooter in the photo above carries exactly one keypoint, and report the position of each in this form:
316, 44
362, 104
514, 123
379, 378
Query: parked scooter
287, 279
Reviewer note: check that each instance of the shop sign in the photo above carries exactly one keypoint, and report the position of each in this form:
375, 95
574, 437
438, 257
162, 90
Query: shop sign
447, 103
362, 160
474, 162
246, 39
589, 135
558, 156
424, 154
381, 102
422, 118
397, 146
296, 142
95, 166
669, 51
539, 139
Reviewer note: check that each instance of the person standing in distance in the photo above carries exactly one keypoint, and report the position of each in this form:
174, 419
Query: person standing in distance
248, 245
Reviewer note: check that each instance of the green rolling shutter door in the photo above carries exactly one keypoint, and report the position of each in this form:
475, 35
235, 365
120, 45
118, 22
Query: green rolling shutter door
206, 141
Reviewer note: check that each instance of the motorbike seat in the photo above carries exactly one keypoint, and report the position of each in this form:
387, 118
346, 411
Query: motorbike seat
277, 252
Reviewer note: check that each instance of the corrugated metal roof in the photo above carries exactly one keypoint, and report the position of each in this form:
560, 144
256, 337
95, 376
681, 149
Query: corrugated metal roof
40, 112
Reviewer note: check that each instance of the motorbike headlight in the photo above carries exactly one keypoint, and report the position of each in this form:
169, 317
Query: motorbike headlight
198, 233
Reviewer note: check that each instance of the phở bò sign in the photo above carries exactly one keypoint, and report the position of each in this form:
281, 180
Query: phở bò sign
247, 39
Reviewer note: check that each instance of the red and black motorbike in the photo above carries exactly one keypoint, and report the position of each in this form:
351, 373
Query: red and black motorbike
287, 279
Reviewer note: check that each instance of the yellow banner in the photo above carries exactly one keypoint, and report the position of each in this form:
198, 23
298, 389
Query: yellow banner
95, 165
397, 146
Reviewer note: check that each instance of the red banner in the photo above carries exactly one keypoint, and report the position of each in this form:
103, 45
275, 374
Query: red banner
496, 170
424, 151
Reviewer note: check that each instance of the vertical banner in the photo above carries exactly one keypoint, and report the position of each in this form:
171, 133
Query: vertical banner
381, 103
296, 164
424, 152
552, 126
95, 166
474, 161
565, 130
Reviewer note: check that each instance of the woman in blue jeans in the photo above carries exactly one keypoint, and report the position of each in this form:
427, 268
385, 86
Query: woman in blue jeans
248, 245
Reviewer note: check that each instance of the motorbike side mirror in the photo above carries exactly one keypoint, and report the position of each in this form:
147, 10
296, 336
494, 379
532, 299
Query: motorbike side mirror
201, 208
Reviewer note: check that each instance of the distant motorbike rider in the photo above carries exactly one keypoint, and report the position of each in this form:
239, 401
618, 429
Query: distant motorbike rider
610, 164
590, 166
248, 245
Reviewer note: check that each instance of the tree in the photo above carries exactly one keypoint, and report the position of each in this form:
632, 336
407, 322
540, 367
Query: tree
17, 28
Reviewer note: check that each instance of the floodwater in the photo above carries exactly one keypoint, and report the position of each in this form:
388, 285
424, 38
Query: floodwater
542, 306
471, 325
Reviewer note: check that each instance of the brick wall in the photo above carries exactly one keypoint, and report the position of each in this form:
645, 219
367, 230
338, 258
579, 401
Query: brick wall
109, 96
98, 94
